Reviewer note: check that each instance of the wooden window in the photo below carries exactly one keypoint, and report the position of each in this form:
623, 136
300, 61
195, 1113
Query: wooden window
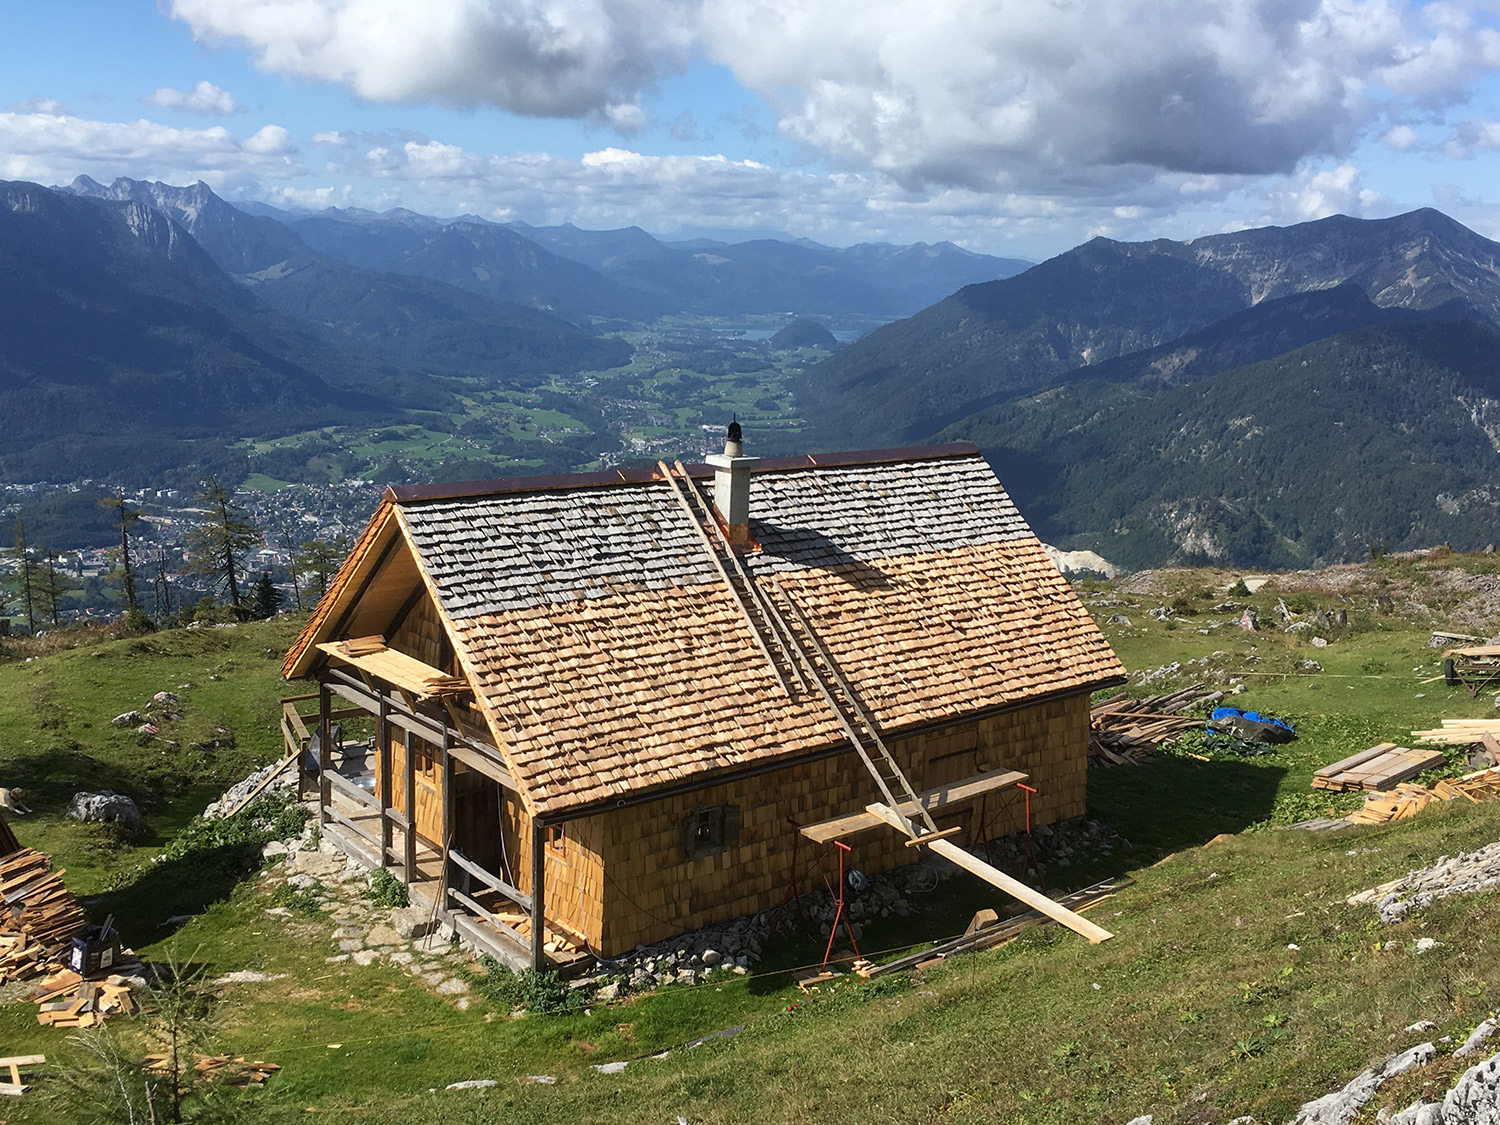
556, 838
710, 830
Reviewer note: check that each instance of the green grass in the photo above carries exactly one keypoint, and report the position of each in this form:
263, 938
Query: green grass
1197, 1011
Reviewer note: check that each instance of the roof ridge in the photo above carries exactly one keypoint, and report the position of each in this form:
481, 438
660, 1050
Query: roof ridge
419, 493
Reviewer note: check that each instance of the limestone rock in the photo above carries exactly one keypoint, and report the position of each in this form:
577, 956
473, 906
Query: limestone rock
107, 806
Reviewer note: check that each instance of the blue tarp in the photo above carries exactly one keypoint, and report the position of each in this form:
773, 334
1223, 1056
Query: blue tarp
1252, 716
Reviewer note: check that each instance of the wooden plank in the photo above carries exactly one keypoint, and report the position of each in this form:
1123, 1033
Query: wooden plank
398, 669
996, 878
932, 799
929, 837
272, 776
352, 826
1354, 760
347, 788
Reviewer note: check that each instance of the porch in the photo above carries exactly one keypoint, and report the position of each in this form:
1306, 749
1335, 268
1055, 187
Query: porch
388, 801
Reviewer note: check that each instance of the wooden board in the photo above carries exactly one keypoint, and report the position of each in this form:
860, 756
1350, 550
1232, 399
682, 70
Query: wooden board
997, 878
1354, 759
396, 668
1390, 766
931, 799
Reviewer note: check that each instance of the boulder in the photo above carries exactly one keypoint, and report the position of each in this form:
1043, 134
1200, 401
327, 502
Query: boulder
128, 719
109, 806
412, 922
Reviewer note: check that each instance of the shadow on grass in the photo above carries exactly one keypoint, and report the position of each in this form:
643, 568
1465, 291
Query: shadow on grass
50, 776
1175, 803
1161, 807
175, 887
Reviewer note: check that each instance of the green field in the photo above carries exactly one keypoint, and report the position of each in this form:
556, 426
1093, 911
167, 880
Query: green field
685, 373
1197, 1011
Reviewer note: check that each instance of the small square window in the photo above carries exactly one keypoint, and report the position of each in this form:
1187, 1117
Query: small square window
556, 838
710, 830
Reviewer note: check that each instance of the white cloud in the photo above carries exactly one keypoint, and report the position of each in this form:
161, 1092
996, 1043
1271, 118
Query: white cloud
1401, 138
1313, 194
269, 140
997, 96
204, 98
52, 148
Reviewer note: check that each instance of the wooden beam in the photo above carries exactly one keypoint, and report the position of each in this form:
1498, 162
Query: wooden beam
270, 777
538, 896
932, 799
325, 756
491, 880
409, 834
997, 878
928, 837
445, 784
383, 779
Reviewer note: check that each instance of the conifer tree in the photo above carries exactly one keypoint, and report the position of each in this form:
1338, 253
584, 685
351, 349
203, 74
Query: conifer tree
127, 520
265, 598
24, 573
318, 559
212, 548
51, 584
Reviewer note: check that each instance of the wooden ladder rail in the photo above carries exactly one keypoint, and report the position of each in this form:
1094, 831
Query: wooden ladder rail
708, 545
831, 684
781, 632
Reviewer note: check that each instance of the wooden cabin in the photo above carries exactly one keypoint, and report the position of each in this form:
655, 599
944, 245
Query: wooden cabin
610, 707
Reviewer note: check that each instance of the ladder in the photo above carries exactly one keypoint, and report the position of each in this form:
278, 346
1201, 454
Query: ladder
799, 658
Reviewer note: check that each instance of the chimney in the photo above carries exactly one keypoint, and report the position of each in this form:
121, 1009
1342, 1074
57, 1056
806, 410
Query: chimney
732, 486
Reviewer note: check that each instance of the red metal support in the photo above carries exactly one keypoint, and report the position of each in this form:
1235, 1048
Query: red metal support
833, 931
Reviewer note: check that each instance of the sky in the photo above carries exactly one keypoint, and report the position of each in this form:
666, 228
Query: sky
1011, 127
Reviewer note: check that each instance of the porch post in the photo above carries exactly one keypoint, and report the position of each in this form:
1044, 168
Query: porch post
410, 835
325, 753
538, 895
445, 780
383, 750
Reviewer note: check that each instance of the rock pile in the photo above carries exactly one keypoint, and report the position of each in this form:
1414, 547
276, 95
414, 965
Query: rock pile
1055, 846
231, 798
1461, 874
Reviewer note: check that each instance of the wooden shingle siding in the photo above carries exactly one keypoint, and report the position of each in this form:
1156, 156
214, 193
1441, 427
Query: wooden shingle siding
653, 890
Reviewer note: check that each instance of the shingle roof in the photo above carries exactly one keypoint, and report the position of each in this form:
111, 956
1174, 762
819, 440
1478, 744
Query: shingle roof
612, 659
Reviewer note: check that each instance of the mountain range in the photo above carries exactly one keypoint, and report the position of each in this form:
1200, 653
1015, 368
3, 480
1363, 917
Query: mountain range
1271, 397
1106, 299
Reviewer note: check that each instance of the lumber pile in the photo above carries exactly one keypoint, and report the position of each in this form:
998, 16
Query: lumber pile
1408, 800
38, 916
66, 999
1460, 732
231, 1070
980, 936
1382, 766
1125, 731
370, 654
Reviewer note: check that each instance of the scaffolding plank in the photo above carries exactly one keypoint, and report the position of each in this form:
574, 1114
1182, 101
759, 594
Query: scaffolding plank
932, 799
997, 878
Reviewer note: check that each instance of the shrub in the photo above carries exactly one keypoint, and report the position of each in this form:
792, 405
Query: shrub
545, 993
387, 890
